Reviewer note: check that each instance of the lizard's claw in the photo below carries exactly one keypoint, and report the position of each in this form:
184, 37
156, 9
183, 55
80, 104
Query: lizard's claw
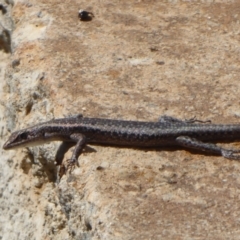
231, 154
62, 171
71, 165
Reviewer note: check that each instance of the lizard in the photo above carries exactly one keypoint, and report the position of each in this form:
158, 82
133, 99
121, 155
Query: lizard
167, 131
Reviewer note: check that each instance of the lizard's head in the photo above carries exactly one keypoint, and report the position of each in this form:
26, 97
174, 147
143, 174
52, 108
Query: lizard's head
23, 138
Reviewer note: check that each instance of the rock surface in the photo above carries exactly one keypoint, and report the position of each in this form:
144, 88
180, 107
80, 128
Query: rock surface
134, 60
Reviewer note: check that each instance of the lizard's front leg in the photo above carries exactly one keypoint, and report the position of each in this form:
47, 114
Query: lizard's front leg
80, 140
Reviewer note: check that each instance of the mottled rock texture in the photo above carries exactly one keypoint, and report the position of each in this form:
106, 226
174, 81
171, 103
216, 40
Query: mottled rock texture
133, 60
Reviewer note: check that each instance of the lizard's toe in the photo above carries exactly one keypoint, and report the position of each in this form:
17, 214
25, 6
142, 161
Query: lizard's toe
231, 154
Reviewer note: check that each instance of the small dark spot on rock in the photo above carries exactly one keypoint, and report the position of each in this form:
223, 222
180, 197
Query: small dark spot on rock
153, 49
35, 95
42, 76
100, 168
29, 107
5, 41
88, 225
162, 168
3, 9
85, 15
15, 63
160, 62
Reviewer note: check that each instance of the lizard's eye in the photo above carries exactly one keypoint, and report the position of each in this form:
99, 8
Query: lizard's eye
23, 136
